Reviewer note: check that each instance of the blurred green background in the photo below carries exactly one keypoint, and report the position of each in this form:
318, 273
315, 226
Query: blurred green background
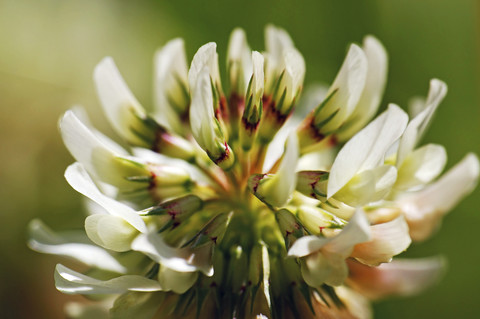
48, 50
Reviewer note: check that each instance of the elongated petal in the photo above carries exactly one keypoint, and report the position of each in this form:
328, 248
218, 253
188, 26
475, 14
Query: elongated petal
421, 166
78, 178
388, 240
119, 104
239, 61
417, 126
72, 282
170, 84
357, 231
385, 177
258, 77
348, 85
42, 239
207, 57
425, 209
294, 74
202, 118
153, 245
110, 232
277, 190
374, 86
401, 277
367, 148
307, 245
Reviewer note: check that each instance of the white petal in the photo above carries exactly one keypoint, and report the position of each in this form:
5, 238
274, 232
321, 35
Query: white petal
421, 166
398, 278
239, 60
201, 111
72, 282
207, 57
153, 246
78, 178
374, 86
42, 239
357, 231
279, 188
367, 148
359, 190
306, 245
294, 73
258, 76
349, 83
418, 125
385, 177
388, 240
98, 158
170, 67
119, 104
110, 232
424, 209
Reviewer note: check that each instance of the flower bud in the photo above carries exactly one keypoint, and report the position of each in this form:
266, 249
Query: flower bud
179, 208
317, 220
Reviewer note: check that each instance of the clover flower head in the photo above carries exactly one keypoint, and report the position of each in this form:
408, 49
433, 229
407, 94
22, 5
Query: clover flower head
252, 201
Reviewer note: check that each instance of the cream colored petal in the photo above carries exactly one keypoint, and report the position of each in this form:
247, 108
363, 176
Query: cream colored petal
119, 104
385, 177
374, 87
79, 179
206, 57
401, 277
44, 240
367, 149
421, 166
425, 209
388, 240
307, 245
155, 247
110, 232
72, 282
348, 84
357, 231
277, 190
201, 111
417, 126
170, 74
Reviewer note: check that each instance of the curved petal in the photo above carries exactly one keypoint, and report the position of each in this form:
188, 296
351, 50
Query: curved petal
176, 281
138, 305
170, 85
348, 85
78, 178
374, 86
417, 126
388, 240
367, 148
110, 232
306, 245
120, 106
421, 166
153, 246
425, 209
206, 57
43, 240
398, 278
277, 190
72, 282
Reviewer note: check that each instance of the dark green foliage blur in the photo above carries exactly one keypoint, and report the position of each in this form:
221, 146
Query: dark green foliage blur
48, 50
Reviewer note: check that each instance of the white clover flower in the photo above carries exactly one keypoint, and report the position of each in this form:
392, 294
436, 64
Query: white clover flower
218, 208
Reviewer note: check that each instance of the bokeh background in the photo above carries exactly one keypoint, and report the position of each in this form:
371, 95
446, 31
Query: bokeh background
49, 48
